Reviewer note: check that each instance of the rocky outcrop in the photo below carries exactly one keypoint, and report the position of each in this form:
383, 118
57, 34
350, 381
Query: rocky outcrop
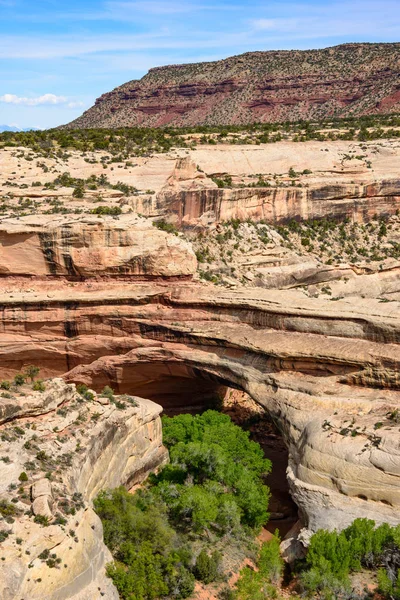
350, 79
326, 371
190, 198
74, 446
332, 179
80, 248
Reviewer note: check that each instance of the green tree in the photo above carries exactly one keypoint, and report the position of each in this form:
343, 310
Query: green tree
270, 562
32, 371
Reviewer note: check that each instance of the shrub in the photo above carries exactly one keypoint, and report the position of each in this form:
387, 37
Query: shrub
23, 476
165, 226
251, 585
270, 562
108, 392
207, 567
42, 520
19, 379
7, 509
5, 385
332, 556
388, 586
39, 386
107, 210
81, 388
79, 191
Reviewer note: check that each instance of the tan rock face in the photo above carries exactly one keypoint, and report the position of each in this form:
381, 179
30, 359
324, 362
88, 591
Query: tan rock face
323, 369
83, 446
91, 247
106, 301
343, 179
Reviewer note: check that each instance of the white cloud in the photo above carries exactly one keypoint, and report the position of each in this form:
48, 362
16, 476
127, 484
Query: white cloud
75, 104
40, 100
280, 25
155, 8
45, 100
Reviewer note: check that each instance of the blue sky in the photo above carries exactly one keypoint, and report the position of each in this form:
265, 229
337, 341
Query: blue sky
56, 57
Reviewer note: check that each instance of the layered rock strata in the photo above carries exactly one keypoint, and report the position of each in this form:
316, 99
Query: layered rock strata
68, 448
338, 179
85, 247
190, 198
256, 87
326, 371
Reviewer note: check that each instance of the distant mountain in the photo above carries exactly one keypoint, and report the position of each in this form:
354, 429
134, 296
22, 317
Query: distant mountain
274, 86
15, 129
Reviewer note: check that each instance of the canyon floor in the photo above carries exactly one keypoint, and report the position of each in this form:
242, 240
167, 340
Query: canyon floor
269, 269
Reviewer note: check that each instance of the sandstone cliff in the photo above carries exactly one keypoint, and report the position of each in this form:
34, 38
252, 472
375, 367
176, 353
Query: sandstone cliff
350, 79
322, 370
190, 198
92, 246
271, 182
114, 300
69, 448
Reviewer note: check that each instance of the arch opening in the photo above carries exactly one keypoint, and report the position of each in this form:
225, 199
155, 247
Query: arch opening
184, 388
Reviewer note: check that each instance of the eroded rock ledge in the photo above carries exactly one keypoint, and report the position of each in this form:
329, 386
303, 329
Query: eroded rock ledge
327, 371
91, 246
70, 448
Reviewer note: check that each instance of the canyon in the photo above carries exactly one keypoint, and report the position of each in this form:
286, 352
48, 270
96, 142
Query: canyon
115, 300
274, 86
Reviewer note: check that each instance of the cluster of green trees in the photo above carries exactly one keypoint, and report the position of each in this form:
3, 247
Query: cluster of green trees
212, 488
91, 183
351, 241
224, 466
140, 141
333, 556
30, 372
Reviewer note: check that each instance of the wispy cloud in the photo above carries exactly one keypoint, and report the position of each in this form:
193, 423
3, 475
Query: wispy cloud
155, 7
127, 11
45, 99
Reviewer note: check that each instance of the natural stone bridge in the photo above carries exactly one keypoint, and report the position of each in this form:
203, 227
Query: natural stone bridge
109, 301
326, 371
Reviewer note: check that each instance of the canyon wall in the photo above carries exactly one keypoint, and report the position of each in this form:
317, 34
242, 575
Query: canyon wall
85, 446
91, 246
339, 186
340, 201
115, 301
273, 182
321, 369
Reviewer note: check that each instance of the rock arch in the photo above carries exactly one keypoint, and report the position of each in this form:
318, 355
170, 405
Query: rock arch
322, 369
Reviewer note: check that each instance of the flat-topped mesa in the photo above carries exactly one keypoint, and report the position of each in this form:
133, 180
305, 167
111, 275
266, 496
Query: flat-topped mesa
274, 86
87, 247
